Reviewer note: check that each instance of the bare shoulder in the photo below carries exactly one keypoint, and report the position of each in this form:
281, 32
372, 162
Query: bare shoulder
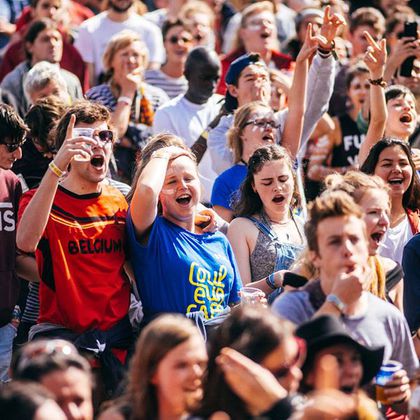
387, 263
241, 226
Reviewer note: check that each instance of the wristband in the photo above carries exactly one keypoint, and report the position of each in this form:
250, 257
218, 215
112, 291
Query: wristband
55, 169
270, 281
337, 302
160, 154
378, 82
125, 100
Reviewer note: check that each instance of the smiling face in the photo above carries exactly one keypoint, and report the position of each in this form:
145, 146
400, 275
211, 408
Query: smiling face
402, 117
178, 43
376, 208
259, 33
274, 184
342, 246
180, 193
7, 159
96, 169
178, 377
394, 168
253, 85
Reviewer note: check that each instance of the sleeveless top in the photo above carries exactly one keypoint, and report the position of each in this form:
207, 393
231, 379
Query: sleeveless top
345, 154
270, 254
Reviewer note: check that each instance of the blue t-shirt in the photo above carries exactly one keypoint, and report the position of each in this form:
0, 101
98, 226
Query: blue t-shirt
179, 271
226, 186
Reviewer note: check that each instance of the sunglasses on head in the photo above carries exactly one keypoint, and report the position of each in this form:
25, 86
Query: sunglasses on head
296, 362
175, 39
12, 147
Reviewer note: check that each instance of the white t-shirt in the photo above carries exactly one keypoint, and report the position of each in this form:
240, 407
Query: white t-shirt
95, 33
395, 240
187, 120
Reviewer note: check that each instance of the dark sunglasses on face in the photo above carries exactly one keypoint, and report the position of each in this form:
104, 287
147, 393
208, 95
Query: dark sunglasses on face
105, 136
12, 147
296, 362
175, 39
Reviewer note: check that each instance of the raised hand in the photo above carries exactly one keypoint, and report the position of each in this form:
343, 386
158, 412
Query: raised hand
310, 45
73, 146
330, 27
375, 56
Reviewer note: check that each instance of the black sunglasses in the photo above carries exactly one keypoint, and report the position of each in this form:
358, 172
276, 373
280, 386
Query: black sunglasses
175, 39
12, 147
105, 136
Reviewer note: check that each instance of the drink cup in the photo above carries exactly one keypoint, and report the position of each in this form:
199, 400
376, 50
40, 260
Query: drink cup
250, 295
83, 132
383, 377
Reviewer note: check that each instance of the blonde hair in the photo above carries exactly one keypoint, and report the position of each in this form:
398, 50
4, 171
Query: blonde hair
120, 41
191, 8
234, 134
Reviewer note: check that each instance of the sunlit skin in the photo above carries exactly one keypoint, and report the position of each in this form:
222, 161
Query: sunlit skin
358, 39
49, 410
51, 89
47, 46
177, 52
394, 168
284, 355
274, 184
253, 85
47, 9
178, 378
7, 159
127, 60
180, 193
375, 204
73, 392
342, 246
358, 91
316, 22
402, 117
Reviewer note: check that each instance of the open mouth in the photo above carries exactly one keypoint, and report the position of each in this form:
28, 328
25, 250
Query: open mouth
278, 199
347, 389
268, 137
377, 237
265, 35
184, 199
406, 118
395, 181
97, 161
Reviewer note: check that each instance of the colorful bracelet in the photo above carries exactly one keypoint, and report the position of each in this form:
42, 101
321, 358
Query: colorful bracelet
270, 281
56, 170
378, 82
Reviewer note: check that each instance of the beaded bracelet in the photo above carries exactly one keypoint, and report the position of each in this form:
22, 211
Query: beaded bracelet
378, 82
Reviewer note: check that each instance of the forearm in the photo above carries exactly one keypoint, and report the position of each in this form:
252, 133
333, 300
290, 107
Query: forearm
35, 217
122, 112
26, 268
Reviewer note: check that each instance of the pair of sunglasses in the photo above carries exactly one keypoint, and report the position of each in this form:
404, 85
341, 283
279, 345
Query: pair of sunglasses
105, 136
12, 147
175, 39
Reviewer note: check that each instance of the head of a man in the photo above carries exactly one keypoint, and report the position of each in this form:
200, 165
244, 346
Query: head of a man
119, 6
364, 19
12, 136
43, 42
45, 80
62, 371
336, 235
97, 117
304, 18
202, 70
247, 80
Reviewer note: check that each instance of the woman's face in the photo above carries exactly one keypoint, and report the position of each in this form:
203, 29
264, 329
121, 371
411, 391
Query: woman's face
180, 193
284, 363
274, 184
350, 368
128, 59
260, 129
394, 168
358, 90
47, 9
376, 207
201, 29
178, 377
402, 117
178, 43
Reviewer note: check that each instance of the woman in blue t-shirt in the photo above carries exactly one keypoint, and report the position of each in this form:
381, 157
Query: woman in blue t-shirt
178, 266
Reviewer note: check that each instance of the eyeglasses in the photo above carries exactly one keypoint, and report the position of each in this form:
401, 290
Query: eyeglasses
257, 24
175, 39
296, 362
105, 136
263, 124
12, 147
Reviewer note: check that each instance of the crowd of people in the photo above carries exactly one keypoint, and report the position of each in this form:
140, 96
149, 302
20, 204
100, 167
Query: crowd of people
209, 209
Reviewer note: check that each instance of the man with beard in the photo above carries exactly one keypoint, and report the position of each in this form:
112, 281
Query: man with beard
95, 32
75, 224
188, 115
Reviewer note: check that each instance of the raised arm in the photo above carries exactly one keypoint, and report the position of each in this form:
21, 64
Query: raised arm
35, 217
149, 185
375, 59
